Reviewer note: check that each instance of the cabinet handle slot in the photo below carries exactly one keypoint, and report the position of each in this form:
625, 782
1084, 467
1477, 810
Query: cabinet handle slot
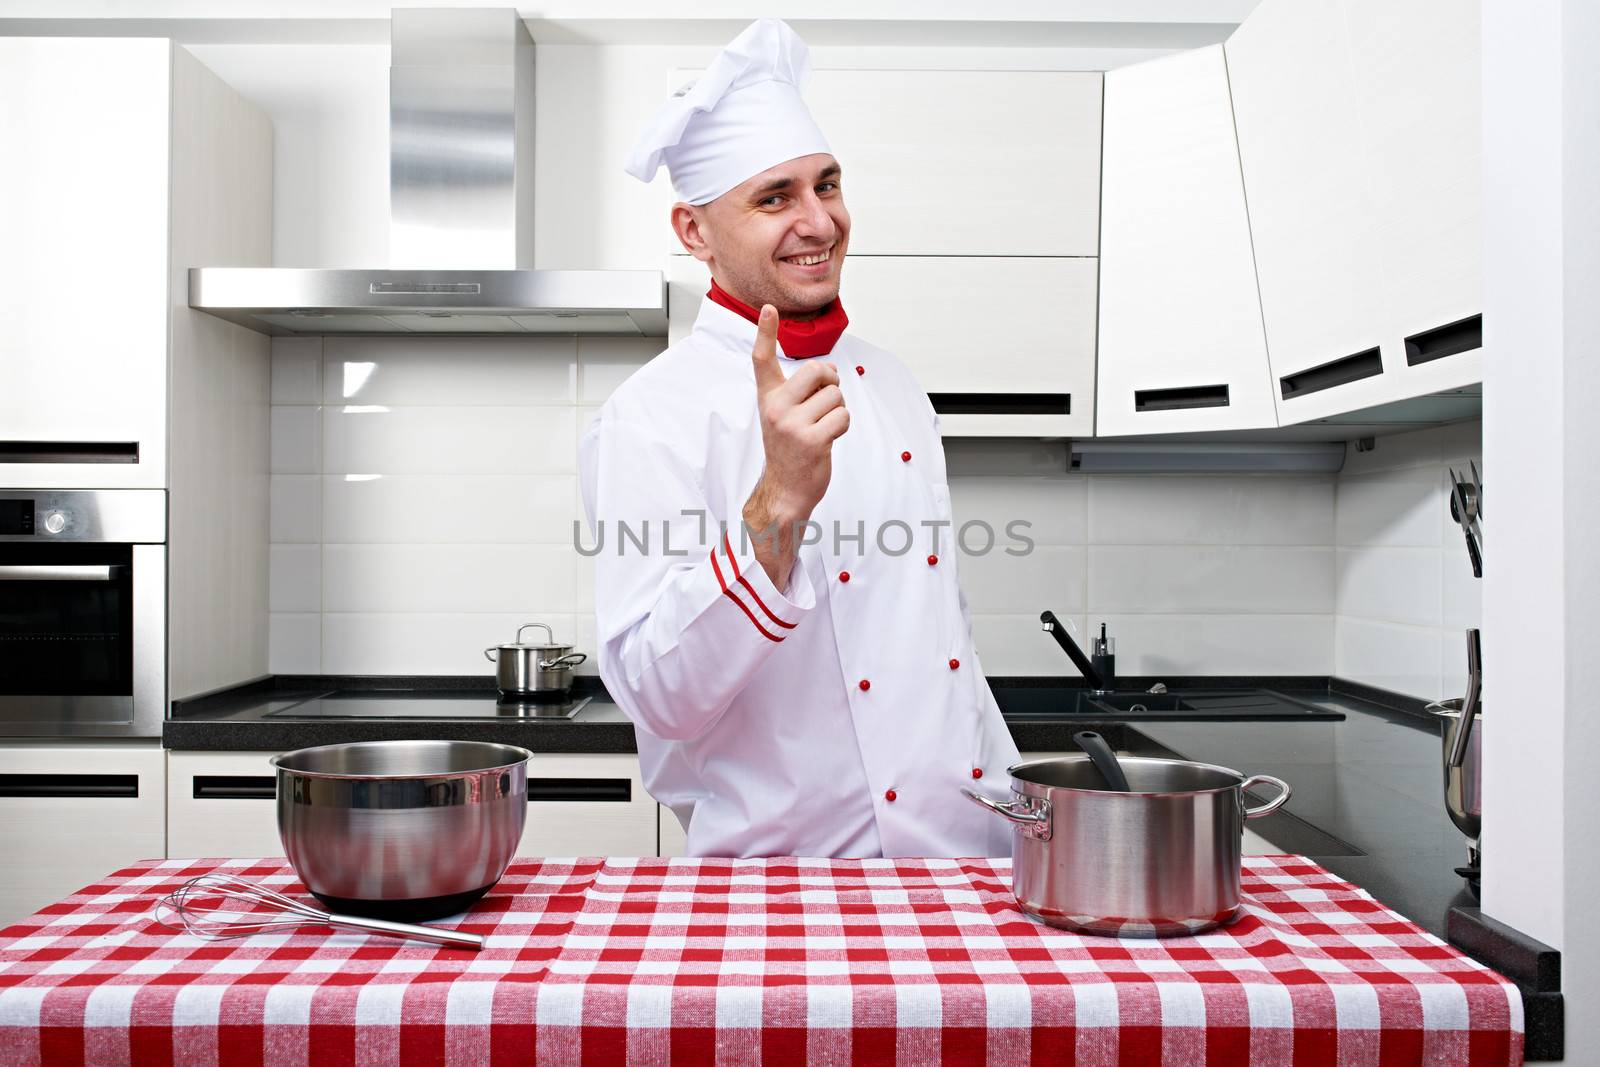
61, 786
1181, 399
1002, 403
1366, 364
69, 451
235, 787
569, 790
1447, 340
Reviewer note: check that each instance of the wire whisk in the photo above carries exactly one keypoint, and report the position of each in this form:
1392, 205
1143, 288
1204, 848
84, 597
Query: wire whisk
217, 906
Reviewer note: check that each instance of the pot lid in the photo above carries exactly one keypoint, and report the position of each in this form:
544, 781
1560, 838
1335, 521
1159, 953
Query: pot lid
550, 644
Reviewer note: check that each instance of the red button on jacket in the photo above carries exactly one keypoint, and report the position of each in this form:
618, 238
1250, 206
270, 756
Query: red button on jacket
844, 576
889, 796
954, 663
860, 369
905, 457
932, 560
864, 685
977, 772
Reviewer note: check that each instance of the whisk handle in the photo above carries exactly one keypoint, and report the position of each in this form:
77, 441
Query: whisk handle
432, 934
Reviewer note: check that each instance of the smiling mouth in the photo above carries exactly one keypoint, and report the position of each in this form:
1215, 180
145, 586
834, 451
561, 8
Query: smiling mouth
810, 259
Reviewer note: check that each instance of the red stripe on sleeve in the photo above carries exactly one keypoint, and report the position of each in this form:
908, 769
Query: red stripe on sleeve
733, 597
742, 580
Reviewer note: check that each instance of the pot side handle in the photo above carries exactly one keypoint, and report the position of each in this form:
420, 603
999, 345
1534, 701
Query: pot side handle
1035, 821
488, 657
1272, 805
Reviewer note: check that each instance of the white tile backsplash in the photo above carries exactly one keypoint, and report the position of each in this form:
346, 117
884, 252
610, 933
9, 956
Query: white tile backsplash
1390, 584
1188, 510
450, 509
294, 578
374, 439
429, 512
294, 643
1406, 593
295, 508
433, 643
450, 371
296, 445
448, 578
1210, 579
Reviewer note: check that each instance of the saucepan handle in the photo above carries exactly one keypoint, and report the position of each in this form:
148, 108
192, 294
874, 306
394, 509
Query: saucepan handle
571, 659
1033, 820
487, 656
1272, 805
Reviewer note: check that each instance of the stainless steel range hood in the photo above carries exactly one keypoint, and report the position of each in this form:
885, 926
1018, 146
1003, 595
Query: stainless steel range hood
460, 211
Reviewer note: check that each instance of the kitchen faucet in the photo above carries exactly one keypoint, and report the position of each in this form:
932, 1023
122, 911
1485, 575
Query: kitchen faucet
1098, 684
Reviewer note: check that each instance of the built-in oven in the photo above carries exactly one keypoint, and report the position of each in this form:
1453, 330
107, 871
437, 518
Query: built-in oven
83, 612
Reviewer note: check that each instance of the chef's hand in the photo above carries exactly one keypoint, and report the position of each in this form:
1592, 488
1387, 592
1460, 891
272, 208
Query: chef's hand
801, 417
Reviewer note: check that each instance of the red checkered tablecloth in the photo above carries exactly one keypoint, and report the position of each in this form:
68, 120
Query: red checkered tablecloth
737, 961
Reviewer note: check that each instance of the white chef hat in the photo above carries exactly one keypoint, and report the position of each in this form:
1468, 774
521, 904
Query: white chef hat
743, 115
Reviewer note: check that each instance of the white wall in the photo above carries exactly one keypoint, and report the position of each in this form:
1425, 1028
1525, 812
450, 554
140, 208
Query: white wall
424, 492
1405, 593
1542, 332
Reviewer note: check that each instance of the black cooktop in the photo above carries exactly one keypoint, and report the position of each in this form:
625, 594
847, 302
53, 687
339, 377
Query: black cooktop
412, 704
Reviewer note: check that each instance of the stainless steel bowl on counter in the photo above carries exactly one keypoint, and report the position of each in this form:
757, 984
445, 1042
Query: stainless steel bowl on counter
526, 670
1160, 860
402, 830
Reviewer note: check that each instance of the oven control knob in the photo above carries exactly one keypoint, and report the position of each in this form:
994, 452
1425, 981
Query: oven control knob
55, 522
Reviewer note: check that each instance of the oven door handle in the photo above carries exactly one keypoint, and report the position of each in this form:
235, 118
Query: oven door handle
60, 572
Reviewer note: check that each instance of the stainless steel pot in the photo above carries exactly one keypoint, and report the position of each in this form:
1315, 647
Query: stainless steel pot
1159, 861
525, 669
402, 830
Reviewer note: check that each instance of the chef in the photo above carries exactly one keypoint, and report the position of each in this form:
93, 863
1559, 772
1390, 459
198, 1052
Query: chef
776, 594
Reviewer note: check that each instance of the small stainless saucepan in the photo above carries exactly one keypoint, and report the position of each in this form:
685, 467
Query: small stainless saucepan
529, 670
1159, 860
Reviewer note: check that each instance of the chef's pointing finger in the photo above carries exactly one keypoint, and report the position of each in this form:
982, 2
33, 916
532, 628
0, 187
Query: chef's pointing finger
765, 353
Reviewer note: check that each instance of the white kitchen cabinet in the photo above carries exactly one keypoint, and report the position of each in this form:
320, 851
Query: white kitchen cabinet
1181, 342
962, 162
672, 839
1416, 67
85, 127
921, 148
1003, 345
1358, 138
132, 160
71, 813
221, 804
588, 805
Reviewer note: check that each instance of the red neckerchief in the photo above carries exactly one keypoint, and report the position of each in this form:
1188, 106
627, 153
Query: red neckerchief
800, 340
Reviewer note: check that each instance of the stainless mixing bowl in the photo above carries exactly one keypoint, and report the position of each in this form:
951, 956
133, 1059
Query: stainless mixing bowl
402, 830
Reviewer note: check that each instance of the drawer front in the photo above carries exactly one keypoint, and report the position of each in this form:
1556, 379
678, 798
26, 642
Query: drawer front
588, 805
221, 804
71, 814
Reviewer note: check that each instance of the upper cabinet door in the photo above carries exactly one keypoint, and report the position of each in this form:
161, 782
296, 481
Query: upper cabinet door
1357, 124
1003, 345
963, 162
1416, 68
1311, 206
83, 258
1181, 344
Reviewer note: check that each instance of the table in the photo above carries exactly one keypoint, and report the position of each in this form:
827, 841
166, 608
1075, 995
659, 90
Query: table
702, 961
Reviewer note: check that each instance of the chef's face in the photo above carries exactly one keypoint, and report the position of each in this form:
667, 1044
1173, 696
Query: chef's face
762, 238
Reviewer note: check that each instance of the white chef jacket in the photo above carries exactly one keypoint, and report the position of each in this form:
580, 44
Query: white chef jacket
841, 716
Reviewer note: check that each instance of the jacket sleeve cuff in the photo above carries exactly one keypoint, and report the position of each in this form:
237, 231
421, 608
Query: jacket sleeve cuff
744, 582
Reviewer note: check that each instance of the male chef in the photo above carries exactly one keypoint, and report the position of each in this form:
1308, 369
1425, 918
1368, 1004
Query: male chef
776, 596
